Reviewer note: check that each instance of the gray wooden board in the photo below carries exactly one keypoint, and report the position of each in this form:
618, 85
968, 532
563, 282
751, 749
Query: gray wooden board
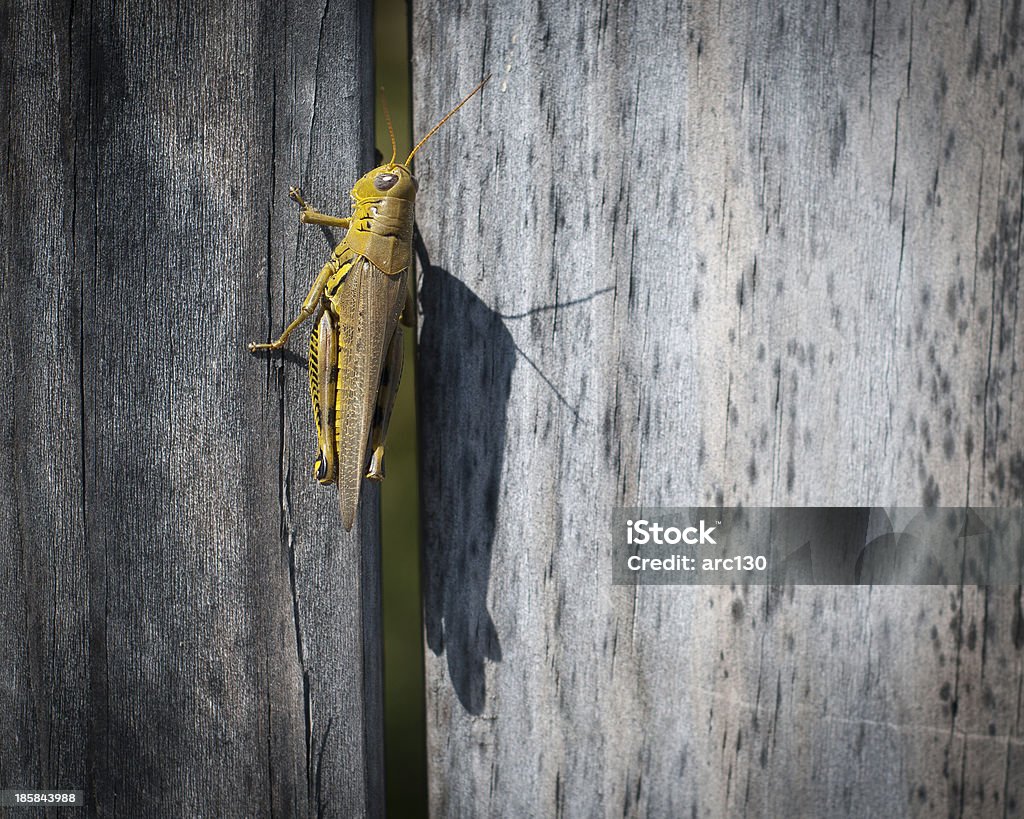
185, 630
758, 253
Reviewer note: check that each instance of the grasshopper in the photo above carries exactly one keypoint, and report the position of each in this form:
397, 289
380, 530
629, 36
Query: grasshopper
356, 302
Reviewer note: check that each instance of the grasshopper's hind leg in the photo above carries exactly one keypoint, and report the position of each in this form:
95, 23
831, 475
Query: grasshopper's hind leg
328, 273
390, 376
329, 279
323, 389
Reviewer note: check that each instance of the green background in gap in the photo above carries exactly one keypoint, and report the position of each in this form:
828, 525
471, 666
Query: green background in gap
405, 730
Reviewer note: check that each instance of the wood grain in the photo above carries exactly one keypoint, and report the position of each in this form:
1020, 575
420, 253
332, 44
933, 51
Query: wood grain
701, 253
186, 631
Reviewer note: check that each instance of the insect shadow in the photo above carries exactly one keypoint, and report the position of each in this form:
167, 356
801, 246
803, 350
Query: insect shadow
464, 377
464, 380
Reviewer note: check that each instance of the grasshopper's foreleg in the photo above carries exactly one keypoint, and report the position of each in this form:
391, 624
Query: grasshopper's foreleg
309, 215
309, 307
390, 375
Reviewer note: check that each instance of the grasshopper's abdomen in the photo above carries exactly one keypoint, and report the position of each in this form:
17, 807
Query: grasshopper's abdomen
354, 346
367, 308
352, 338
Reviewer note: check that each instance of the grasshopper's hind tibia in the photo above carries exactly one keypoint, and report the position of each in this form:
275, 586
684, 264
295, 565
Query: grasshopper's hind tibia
309, 306
390, 377
323, 390
332, 272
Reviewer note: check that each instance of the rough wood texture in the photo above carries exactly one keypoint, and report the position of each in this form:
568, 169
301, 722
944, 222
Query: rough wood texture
734, 252
184, 629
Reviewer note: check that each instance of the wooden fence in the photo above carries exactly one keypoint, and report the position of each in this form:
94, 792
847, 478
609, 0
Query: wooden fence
186, 630
758, 253
707, 253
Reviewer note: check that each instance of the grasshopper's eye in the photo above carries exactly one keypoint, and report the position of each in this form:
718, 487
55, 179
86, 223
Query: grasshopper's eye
385, 181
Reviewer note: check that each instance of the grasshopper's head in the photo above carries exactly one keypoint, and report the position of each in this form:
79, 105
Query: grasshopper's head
392, 180
395, 179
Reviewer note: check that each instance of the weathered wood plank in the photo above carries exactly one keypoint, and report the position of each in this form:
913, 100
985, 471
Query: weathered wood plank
184, 631
715, 252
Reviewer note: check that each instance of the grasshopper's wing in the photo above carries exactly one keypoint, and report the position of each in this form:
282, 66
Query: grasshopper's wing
366, 308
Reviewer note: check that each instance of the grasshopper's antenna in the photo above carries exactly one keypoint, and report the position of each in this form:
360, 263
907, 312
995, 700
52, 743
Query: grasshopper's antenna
445, 118
391, 130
